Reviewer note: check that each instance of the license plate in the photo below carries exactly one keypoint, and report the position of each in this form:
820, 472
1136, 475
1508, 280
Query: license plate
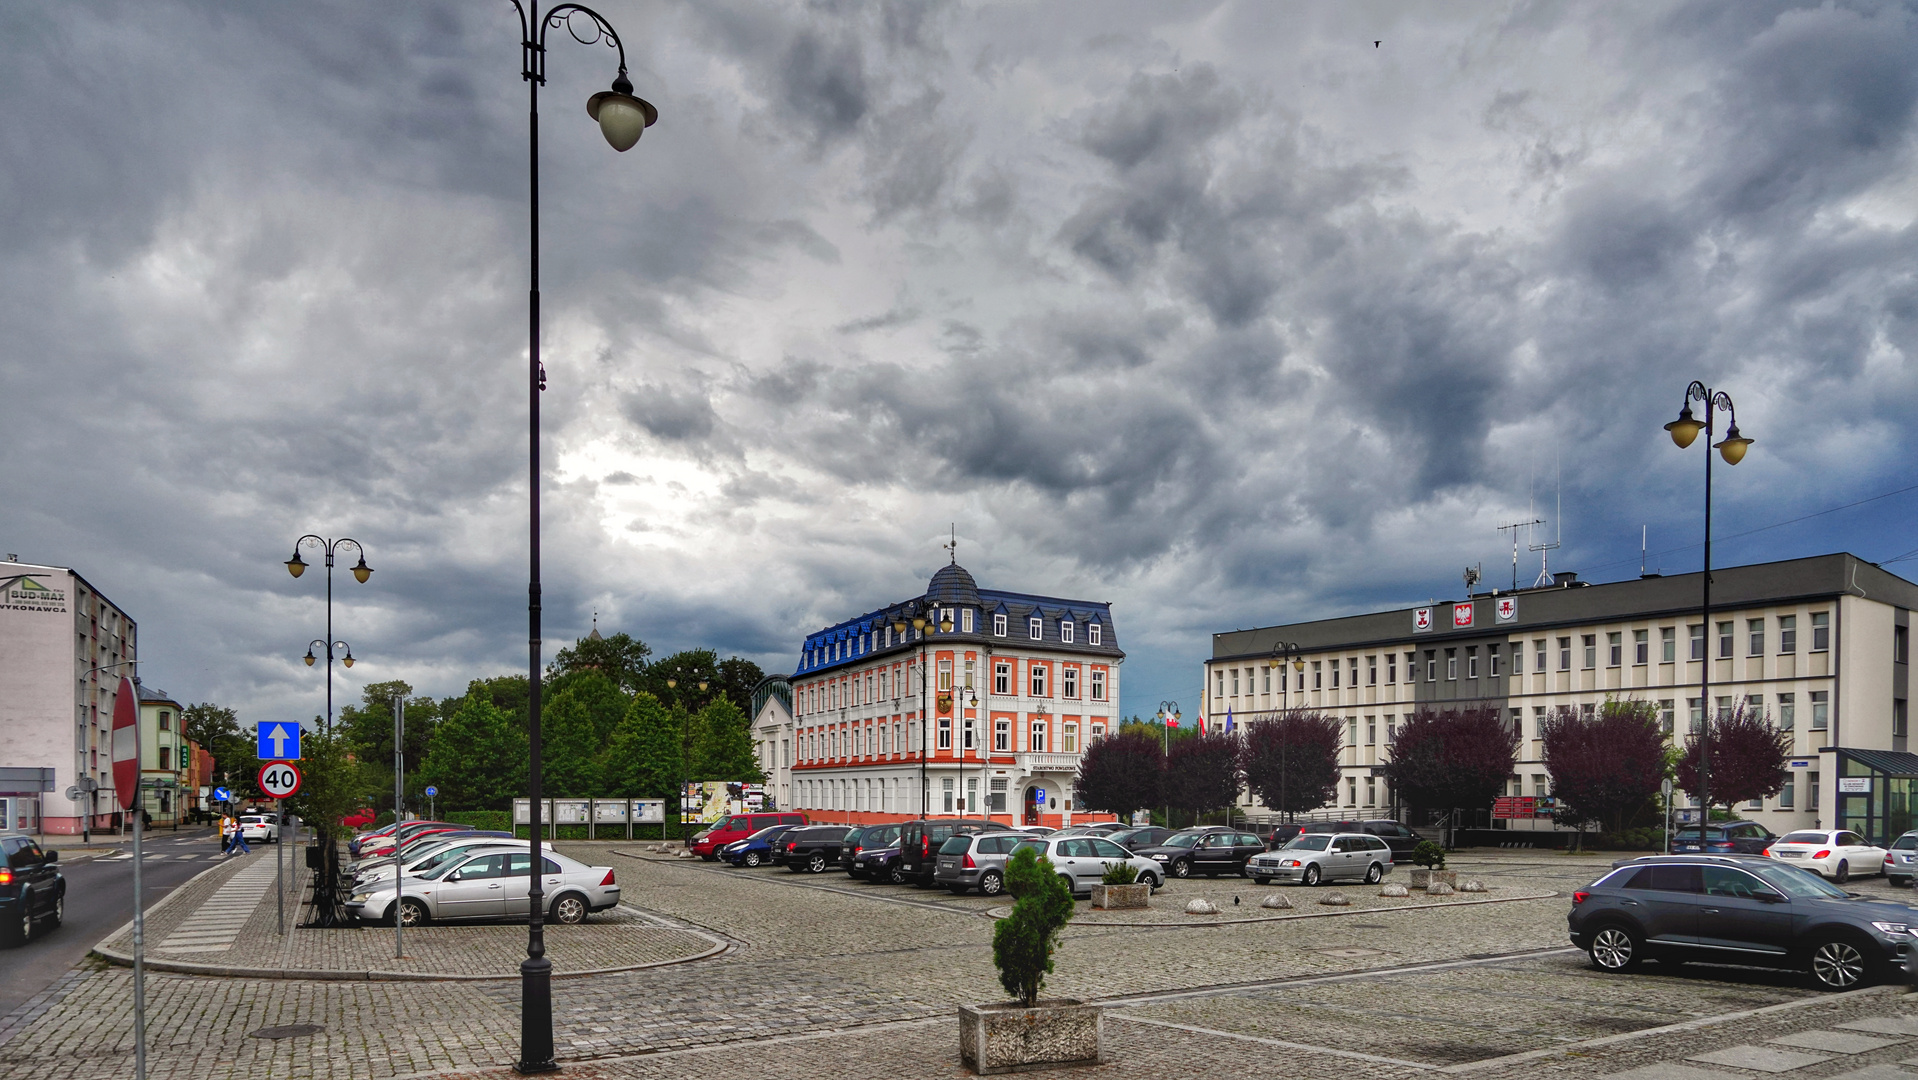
1792, 854
948, 862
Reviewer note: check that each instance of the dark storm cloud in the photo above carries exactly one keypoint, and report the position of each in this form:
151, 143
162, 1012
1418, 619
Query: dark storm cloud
1220, 316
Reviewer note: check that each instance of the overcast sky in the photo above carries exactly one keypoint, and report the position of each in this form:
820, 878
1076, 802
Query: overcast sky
1229, 314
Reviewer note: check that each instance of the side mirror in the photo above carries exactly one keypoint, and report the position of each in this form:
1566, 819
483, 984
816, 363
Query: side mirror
454, 876
1769, 897
53, 857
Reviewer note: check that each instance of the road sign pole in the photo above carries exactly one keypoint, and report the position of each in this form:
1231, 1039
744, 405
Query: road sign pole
399, 805
279, 864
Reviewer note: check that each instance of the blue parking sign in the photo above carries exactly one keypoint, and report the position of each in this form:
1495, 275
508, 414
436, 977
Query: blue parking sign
279, 741
432, 792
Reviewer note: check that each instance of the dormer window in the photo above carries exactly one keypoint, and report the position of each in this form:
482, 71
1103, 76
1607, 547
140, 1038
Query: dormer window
1092, 633
999, 626
965, 620
1065, 631
1036, 628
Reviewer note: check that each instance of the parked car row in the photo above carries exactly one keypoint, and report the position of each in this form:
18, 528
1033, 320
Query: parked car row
447, 872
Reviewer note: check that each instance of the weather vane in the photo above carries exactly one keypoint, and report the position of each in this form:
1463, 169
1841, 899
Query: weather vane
952, 545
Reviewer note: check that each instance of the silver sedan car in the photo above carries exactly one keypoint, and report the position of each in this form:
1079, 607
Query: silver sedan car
429, 857
1310, 858
488, 884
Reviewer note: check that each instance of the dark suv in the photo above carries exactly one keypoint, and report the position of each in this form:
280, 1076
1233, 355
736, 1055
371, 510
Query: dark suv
1210, 849
31, 889
1740, 909
1723, 837
872, 836
813, 848
1396, 836
919, 843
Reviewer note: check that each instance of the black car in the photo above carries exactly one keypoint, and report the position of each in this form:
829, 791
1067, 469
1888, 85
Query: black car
878, 865
919, 843
1210, 850
813, 848
1143, 836
872, 836
1740, 909
31, 889
1398, 837
1724, 837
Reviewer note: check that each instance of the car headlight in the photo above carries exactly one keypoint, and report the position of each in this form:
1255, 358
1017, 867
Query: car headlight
1161, 858
1892, 928
359, 898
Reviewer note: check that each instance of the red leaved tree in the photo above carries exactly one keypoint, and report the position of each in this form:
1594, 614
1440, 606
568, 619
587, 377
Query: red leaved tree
1202, 773
1606, 768
1456, 758
1291, 759
1748, 758
1121, 773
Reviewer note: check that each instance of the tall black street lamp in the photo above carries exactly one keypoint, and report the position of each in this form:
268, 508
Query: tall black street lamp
622, 118
1684, 431
1281, 652
297, 566
1169, 716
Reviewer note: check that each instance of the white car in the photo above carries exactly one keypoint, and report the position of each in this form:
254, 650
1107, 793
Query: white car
433, 855
1082, 860
488, 885
260, 828
1834, 853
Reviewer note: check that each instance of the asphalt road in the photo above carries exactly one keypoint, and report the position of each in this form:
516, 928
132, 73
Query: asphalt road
99, 901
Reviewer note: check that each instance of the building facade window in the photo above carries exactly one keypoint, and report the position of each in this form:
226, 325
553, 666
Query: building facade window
965, 620
1787, 711
1641, 647
1666, 718
1038, 743
1538, 655
1038, 680
945, 733
1820, 710
1755, 633
1667, 644
1235, 682
1491, 660
1069, 682
1820, 631
1897, 722
1431, 665
1788, 633
1098, 684
1372, 670
1564, 654
1065, 630
946, 790
1614, 649
1725, 639
966, 734
1002, 678
1036, 628
996, 797
1811, 788
1698, 641
1093, 634
1391, 668
1318, 675
1001, 735
1069, 738
999, 626
1471, 661
1789, 793
1590, 642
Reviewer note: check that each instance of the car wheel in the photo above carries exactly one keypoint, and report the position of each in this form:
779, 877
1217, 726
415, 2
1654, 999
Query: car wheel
816, 863
896, 876
1261, 881
1615, 948
1070, 890
1839, 963
413, 913
710, 858
1182, 868
569, 909
1898, 882
1312, 874
1374, 874
991, 884
1843, 873
752, 858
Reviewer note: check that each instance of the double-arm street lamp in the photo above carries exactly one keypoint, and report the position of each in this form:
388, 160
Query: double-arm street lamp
1168, 718
1685, 430
622, 119
297, 566
1281, 652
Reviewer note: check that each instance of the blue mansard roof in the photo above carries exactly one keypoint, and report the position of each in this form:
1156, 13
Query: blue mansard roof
861, 638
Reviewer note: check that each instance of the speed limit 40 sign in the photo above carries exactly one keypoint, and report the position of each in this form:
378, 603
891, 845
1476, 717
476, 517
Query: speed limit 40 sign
279, 779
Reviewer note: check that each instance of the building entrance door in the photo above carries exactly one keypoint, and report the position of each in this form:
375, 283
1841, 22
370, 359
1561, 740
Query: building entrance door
1032, 806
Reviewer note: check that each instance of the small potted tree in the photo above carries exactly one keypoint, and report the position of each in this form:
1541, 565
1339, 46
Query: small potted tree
1431, 858
1120, 887
1027, 1031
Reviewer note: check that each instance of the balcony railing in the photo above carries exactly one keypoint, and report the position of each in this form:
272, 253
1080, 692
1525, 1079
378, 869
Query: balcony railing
1049, 762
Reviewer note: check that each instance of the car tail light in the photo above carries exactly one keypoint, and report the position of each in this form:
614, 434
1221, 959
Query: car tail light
607, 880
1767, 853
1887, 856
925, 847
1823, 854
1581, 896
792, 845
969, 864
6, 877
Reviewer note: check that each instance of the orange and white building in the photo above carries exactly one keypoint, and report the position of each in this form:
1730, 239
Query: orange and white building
961, 702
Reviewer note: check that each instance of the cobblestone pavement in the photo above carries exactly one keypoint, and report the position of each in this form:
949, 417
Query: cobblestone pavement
836, 978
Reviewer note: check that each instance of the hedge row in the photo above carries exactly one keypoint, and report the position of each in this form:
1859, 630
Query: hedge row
499, 820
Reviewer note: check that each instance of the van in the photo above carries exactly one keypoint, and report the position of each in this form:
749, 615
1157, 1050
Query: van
706, 844
919, 843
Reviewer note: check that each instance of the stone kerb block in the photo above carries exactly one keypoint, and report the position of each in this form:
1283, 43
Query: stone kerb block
1395, 889
1201, 906
1009, 1037
1439, 888
1337, 899
1276, 902
1472, 885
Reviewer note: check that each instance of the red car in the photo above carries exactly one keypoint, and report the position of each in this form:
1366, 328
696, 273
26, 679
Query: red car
359, 819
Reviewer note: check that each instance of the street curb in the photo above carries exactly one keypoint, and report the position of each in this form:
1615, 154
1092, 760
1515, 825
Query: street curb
1191, 925
183, 967
127, 927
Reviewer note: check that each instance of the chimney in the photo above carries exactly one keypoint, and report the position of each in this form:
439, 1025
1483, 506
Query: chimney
1565, 579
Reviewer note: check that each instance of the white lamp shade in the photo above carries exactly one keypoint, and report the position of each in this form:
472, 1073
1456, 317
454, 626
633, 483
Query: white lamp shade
622, 118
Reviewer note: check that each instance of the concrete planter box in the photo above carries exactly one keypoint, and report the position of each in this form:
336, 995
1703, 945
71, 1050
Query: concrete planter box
1423, 878
1121, 896
1008, 1037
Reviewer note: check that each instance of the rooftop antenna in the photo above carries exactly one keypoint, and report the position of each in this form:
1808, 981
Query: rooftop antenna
1544, 570
952, 544
1472, 576
1515, 526
1643, 531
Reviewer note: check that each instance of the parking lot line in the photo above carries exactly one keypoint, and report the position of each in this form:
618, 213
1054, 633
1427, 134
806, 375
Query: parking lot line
1327, 1050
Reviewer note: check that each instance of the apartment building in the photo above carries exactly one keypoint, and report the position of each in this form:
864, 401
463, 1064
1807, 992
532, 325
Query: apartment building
63, 648
960, 701
1819, 644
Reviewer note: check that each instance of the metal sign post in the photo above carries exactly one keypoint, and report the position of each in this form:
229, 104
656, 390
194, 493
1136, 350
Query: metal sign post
279, 864
126, 784
399, 815
1666, 789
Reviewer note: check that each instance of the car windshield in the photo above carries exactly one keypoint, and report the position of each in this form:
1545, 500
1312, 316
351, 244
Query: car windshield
767, 834
1308, 842
1713, 833
1805, 838
1905, 842
1797, 881
1183, 839
730, 824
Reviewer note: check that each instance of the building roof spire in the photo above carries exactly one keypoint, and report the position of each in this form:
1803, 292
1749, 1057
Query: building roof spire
952, 545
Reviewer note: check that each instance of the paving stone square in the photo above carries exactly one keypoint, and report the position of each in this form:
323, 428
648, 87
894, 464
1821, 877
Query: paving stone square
1761, 1058
1835, 1042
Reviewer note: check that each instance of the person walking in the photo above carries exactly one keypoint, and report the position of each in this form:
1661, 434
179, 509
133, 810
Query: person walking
239, 841
228, 828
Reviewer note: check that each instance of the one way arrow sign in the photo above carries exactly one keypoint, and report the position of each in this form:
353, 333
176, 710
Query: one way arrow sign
279, 741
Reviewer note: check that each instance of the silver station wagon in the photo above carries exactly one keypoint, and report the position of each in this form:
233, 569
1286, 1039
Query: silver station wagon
1310, 858
489, 885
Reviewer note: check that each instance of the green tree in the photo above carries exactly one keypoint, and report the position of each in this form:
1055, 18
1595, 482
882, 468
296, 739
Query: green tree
1024, 941
332, 785
217, 729
642, 761
732, 679
477, 757
507, 693
602, 698
368, 731
570, 748
619, 658
722, 745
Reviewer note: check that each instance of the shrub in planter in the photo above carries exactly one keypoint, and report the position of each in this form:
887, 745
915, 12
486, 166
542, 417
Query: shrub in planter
1026, 1031
1429, 855
1120, 887
1119, 873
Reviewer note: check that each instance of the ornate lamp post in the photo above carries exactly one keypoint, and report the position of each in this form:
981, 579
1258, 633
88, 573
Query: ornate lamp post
297, 566
1168, 718
1684, 431
1281, 652
622, 118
